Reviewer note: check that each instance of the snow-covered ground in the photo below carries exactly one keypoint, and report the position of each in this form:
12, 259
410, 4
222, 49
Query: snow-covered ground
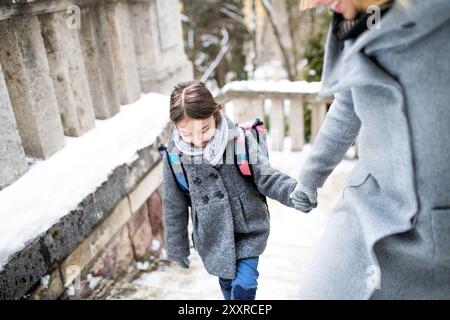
54, 187
294, 235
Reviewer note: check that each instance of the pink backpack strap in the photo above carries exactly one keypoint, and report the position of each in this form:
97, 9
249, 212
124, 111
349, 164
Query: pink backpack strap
241, 152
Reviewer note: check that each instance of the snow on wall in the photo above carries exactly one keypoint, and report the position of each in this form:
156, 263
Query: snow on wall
54, 187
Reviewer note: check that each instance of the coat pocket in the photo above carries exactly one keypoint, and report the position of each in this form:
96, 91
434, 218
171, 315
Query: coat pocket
440, 226
239, 220
357, 177
255, 212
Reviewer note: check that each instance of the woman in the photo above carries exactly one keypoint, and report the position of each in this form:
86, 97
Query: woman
389, 235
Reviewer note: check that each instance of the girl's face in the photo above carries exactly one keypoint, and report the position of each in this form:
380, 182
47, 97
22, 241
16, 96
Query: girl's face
345, 7
197, 131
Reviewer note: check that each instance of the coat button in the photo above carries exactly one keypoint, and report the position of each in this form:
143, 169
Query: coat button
214, 175
219, 194
205, 199
197, 181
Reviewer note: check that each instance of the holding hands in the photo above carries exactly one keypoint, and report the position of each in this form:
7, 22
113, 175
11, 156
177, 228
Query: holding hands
304, 198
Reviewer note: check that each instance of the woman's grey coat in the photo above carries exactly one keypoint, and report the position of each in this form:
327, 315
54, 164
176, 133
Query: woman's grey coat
392, 223
229, 217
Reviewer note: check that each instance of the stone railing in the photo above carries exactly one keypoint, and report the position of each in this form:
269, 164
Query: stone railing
65, 63
248, 101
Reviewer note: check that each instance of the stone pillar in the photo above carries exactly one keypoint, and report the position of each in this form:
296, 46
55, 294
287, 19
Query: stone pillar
297, 124
277, 124
98, 61
25, 66
122, 49
159, 45
146, 43
246, 108
12, 156
68, 73
177, 67
318, 114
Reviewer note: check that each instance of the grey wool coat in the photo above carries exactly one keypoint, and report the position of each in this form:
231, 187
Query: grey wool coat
389, 235
229, 216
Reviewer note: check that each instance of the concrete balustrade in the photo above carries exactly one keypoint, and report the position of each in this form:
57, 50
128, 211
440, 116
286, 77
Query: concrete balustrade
98, 62
65, 63
159, 47
248, 108
12, 156
69, 62
297, 124
146, 42
277, 124
318, 114
248, 99
122, 49
68, 72
27, 75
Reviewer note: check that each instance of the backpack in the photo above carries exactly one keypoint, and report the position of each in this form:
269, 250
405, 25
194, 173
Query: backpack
241, 156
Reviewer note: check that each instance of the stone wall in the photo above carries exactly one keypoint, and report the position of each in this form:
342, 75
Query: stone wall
64, 64
109, 230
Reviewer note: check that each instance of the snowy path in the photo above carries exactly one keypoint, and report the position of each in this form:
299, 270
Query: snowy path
293, 238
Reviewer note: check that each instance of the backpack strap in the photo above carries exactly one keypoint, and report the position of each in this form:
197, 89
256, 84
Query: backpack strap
261, 136
241, 149
241, 153
177, 169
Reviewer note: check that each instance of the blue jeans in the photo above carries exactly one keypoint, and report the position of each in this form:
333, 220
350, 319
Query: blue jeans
243, 287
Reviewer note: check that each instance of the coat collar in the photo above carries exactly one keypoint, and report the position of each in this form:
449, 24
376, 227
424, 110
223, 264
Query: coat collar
348, 63
403, 24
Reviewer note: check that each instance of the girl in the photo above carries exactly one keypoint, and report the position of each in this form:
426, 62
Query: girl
229, 215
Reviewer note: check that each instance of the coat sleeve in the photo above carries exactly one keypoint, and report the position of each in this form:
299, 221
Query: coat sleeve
338, 132
269, 181
176, 216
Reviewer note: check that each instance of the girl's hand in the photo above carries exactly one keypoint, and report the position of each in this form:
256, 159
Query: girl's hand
304, 198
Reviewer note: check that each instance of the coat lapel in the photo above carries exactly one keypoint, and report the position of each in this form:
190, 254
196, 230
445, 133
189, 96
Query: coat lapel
350, 64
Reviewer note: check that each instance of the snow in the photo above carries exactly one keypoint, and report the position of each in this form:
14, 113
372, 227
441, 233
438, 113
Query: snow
71, 291
155, 245
143, 265
52, 188
281, 86
45, 281
93, 281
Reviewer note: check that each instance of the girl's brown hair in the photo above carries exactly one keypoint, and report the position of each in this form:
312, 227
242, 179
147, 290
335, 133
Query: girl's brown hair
192, 99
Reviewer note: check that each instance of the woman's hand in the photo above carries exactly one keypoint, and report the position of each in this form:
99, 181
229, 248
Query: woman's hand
304, 198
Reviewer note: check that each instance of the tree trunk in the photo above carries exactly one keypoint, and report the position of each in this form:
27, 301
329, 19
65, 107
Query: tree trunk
276, 32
